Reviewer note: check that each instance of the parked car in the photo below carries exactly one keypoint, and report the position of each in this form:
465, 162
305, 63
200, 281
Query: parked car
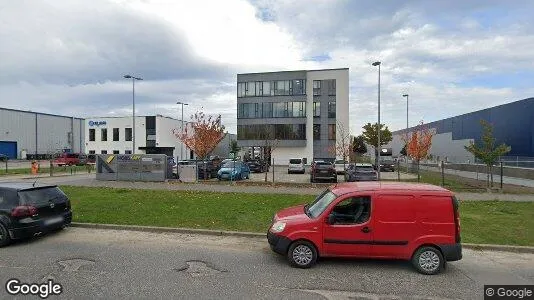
361, 172
387, 165
415, 222
3, 157
206, 170
296, 165
258, 166
69, 159
322, 170
27, 210
341, 166
234, 170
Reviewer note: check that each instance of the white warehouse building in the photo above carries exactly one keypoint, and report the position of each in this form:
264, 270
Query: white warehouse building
34, 135
153, 135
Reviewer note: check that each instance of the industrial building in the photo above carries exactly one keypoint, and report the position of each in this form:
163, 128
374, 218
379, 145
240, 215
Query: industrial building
300, 110
34, 135
513, 124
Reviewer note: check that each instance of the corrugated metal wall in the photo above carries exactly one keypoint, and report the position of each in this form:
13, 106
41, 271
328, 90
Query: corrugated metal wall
41, 133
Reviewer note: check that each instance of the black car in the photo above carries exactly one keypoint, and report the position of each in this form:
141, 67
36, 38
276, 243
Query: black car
322, 170
27, 210
361, 172
257, 166
387, 166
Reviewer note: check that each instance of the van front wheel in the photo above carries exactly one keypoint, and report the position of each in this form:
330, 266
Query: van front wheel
302, 254
428, 260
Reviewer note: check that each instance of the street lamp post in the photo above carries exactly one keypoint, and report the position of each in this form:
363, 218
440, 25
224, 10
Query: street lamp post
133, 107
407, 98
182, 130
377, 63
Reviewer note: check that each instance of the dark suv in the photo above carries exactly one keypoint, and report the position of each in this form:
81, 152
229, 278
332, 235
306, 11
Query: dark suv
322, 170
27, 210
387, 165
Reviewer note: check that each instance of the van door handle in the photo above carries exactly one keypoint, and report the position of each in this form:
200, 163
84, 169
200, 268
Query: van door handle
366, 229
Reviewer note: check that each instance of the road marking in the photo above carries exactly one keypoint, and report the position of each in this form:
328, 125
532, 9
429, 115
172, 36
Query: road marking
73, 265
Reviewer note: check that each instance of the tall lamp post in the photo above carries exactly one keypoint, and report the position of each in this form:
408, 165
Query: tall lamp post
133, 107
377, 63
407, 97
182, 130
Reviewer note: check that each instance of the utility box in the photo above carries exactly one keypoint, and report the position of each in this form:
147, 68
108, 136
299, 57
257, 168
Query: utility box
131, 167
187, 173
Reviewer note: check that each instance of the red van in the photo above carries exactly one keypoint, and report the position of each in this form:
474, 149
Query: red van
377, 220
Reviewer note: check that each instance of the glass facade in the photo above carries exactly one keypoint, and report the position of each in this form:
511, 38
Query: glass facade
271, 110
316, 131
127, 134
271, 88
271, 131
316, 109
91, 135
331, 131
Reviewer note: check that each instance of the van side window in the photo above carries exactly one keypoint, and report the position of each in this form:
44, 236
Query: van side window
353, 210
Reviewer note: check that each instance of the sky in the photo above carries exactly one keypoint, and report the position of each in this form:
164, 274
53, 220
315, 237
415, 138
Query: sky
451, 57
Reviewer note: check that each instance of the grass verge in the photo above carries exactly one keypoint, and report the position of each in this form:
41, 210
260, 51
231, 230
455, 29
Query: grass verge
484, 222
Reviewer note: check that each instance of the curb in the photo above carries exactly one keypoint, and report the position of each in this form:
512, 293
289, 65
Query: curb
155, 229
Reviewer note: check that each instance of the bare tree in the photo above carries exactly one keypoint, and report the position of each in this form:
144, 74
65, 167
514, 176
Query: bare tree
343, 146
269, 144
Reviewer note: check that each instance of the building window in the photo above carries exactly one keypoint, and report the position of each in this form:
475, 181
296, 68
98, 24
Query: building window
282, 87
331, 131
316, 109
332, 87
91, 135
272, 131
316, 131
127, 134
317, 87
251, 89
280, 110
115, 151
92, 152
299, 109
266, 88
259, 88
299, 87
331, 109
104, 134
116, 134
128, 152
267, 111
104, 152
241, 88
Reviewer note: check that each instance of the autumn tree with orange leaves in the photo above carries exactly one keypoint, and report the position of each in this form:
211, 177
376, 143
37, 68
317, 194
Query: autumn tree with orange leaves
202, 134
418, 144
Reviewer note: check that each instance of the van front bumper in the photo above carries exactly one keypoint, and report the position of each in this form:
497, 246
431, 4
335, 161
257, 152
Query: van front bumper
451, 252
279, 244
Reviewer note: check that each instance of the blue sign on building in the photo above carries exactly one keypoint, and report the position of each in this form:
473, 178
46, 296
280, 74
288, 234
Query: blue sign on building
97, 123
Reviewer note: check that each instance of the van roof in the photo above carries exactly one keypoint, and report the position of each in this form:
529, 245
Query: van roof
350, 187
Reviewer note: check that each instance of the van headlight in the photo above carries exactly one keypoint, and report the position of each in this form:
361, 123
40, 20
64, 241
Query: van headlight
278, 227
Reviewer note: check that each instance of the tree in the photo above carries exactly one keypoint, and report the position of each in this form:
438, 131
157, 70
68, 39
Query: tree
342, 146
358, 145
370, 136
202, 135
269, 144
488, 152
234, 148
418, 144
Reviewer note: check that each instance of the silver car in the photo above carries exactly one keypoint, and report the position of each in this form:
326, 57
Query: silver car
296, 165
361, 172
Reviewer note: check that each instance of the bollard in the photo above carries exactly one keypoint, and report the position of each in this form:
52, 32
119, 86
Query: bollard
51, 169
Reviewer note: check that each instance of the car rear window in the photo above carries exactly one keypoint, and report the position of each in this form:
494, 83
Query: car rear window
40, 196
364, 169
295, 161
323, 165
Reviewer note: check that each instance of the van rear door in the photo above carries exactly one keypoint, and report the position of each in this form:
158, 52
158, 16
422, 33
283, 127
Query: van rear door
394, 225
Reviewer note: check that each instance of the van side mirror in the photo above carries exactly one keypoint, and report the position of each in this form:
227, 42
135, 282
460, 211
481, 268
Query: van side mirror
331, 219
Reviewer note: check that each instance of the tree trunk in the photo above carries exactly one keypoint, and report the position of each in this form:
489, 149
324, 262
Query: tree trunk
487, 176
491, 175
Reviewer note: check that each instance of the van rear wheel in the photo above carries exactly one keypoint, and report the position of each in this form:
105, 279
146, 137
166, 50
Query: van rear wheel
302, 254
428, 260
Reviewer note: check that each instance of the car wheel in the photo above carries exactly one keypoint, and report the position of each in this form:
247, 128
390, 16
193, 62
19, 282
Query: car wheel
5, 239
302, 254
428, 260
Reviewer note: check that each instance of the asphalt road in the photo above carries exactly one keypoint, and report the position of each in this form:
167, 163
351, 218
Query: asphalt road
109, 264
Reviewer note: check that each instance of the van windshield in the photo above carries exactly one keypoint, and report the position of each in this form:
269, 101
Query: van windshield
320, 203
295, 161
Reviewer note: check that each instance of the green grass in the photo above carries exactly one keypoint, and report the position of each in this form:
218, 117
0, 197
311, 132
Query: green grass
490, 222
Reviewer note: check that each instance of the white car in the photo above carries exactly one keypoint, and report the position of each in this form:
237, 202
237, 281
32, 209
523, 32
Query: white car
296, 165
341, 166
